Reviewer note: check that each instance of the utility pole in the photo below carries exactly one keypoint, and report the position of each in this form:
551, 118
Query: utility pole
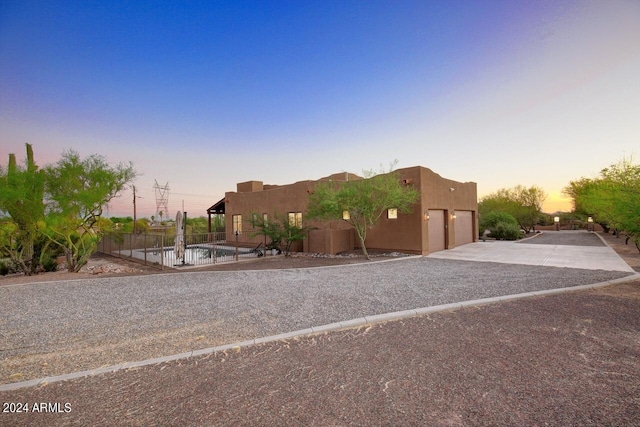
134, 209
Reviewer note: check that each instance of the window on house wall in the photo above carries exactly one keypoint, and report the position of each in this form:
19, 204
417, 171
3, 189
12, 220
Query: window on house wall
237, 224
392, 213
295, 219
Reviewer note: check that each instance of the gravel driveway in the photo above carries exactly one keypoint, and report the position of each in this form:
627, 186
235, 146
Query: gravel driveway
568, 359
561, 359
54, 328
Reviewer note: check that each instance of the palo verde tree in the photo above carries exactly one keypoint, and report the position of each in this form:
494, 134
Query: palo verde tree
77, 191
612, 199
21, 197
362, 202
590, 199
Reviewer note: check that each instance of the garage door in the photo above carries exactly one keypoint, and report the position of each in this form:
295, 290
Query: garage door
436, 231
464, 227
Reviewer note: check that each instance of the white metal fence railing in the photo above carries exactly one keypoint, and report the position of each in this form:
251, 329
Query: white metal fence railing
159, 250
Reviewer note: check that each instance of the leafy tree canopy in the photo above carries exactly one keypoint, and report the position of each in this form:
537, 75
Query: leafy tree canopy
76, 192
362, 202
612, 199
58, 206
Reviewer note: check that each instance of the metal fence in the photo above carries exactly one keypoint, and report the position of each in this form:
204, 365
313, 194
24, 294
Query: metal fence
159, 250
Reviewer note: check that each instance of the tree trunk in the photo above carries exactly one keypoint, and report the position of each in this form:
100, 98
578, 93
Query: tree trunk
364, 249
70, 261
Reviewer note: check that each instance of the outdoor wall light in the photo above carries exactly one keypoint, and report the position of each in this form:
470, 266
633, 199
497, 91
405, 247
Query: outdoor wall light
346, 215
392, 213
452, 189
453, 215
556, 219
590, 219
426, 216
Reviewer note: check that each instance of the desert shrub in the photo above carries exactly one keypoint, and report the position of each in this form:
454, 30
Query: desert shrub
505, 231
6, 267
49, 261
491, 219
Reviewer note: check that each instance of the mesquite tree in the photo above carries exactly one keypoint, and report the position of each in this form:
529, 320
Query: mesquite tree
365, 201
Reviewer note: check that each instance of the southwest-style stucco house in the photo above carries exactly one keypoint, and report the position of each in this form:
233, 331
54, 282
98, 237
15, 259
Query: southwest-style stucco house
444, 217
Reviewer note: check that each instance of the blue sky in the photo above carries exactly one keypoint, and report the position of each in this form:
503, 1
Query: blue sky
203, 95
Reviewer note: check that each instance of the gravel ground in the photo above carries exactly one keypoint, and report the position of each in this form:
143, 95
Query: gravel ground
70, 326
563, 360
567, 359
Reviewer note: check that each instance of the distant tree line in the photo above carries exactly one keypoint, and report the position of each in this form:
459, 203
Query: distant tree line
611, 199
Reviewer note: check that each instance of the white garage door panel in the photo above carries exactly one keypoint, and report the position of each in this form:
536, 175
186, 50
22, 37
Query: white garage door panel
464, 227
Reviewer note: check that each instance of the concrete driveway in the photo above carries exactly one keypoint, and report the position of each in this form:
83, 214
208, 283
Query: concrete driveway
550, 249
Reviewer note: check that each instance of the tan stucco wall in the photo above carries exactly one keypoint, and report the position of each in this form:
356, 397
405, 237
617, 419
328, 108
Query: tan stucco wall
437, 194
329, 241
273, 200
408, 233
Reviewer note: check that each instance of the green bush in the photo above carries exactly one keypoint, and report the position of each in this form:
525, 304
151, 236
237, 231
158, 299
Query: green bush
505, 231
490, 220
49, 262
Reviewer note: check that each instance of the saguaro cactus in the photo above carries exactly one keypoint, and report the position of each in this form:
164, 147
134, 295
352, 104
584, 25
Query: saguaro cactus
22, 198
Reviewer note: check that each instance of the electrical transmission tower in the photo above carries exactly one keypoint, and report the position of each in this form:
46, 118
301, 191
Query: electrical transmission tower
162, 199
